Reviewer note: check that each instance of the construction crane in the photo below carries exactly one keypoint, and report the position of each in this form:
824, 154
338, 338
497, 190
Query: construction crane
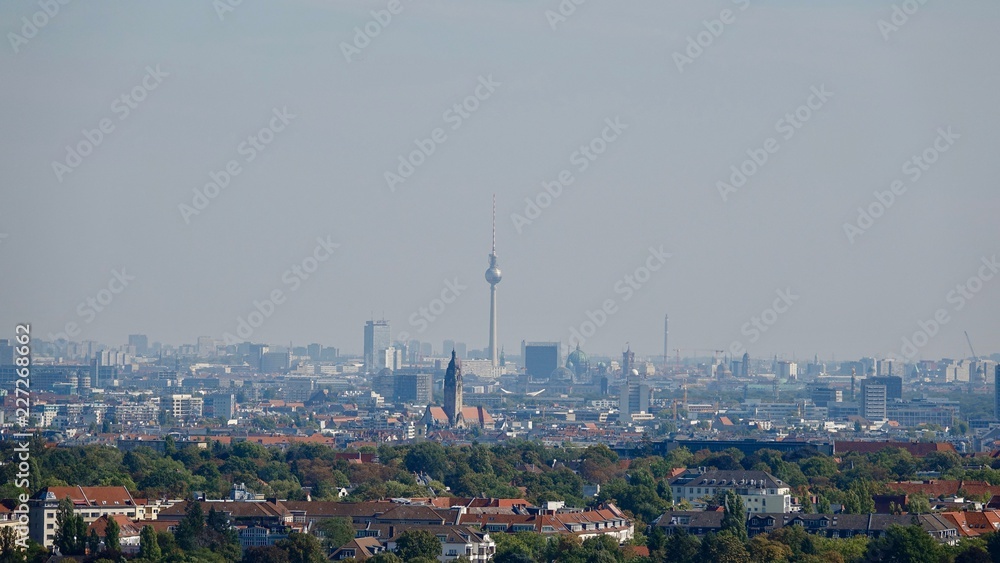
969, 340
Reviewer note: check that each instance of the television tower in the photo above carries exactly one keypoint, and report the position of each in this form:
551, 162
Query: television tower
666, 333
493, 276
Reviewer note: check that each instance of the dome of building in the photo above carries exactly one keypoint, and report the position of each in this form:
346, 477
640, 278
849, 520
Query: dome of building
578, 362
561, 374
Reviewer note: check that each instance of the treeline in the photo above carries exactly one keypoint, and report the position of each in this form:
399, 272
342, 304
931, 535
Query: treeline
519, 469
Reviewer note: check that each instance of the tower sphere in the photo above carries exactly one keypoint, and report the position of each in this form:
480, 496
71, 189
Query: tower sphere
493, 275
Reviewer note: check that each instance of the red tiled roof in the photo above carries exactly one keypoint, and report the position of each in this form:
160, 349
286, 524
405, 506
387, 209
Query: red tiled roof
917, 449
127, 528
935, 489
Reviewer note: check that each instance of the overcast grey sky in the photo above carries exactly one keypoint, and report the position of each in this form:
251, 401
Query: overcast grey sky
198, 80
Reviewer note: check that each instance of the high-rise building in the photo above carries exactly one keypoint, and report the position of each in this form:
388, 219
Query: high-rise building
314, 351
184, 407
255, 353
453, 391
493, 277
447, 346
874, 400
388, 358
461, 350
220, 405
788, 371
140, 342
634, 398
823, 395
745, 365
273, 362
884, 367
893, 386
377, 338
415, 388
541, 358
6, 353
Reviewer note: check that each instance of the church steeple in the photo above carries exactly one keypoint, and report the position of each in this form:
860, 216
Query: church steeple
453, 391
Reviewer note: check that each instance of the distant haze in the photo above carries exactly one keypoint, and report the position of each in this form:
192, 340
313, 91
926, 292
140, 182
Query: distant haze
672, 117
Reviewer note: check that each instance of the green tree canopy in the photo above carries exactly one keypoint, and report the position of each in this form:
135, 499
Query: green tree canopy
417, 543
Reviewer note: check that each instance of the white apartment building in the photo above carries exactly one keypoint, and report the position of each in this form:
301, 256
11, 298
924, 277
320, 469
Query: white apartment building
760, 491
186, 406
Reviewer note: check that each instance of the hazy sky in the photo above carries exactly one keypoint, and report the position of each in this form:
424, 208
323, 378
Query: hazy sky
197, 85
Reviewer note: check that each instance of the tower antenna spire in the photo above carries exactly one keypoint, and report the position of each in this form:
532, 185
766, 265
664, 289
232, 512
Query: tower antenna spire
493, 277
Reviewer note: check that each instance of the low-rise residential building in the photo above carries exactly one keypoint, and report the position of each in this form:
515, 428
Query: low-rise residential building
128, 532
358, 549
607, 520
456, 541
850, 525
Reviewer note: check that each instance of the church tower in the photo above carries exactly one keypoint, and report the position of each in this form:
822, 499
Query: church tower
453, 391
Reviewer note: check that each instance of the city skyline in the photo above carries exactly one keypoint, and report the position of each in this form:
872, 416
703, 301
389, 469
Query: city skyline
852, 179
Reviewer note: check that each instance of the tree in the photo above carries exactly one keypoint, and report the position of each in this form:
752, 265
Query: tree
265, 554
71, 531
302, 548
112, 537
417, 543
336, 531
724, 548
189, 530
764, 550
993, 545
918, 504
974, 554
220, 535
905, 545
10, 552
149, 547
427, 457
734, 520
682, 547
823, 505
93, 542
385, 557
